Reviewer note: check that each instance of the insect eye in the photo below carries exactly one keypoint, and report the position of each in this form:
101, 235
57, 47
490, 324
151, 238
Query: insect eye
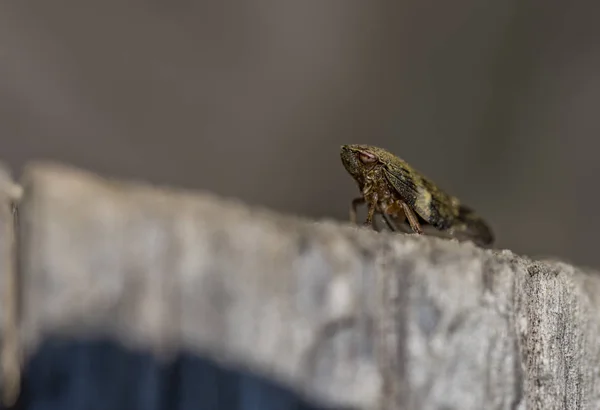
366, 158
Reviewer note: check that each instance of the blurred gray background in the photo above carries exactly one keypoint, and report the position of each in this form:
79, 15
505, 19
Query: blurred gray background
497, 101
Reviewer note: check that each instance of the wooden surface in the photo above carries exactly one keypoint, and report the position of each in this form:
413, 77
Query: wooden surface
342, 315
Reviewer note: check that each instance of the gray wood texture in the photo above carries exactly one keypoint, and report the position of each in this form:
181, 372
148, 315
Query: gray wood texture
344, 315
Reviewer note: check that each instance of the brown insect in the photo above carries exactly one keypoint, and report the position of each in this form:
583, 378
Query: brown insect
398, 192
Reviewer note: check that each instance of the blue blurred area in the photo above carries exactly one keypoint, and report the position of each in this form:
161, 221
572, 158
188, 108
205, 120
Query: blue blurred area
103, 375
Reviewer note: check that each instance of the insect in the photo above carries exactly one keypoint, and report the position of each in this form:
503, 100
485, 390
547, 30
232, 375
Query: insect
400, 193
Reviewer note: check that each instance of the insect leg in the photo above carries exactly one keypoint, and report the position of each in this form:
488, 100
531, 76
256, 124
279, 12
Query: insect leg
355, 203
371, 213
412, 218
398, 223
394, 216
389, 222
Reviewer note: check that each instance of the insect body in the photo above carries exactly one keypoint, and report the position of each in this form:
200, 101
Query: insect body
394, 189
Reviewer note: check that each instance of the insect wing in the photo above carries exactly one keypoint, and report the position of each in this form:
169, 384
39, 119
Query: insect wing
475, 227
428, 201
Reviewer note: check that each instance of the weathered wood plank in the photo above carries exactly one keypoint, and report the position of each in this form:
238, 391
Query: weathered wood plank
10, 354
344, 315
161, 270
